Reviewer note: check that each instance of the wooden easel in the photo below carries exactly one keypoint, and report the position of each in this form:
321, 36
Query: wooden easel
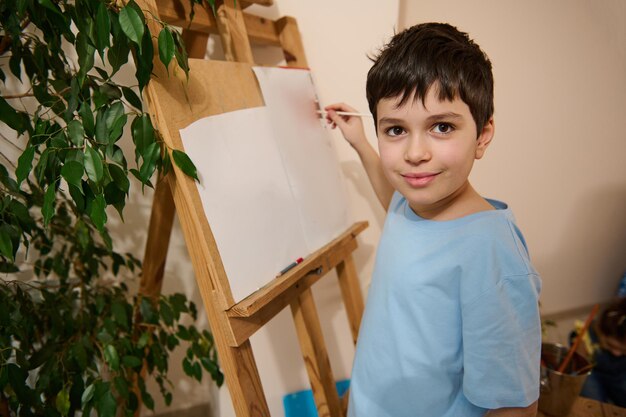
172, 108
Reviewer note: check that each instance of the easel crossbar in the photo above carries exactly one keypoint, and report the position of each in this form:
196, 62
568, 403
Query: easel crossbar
251, 313
176, 12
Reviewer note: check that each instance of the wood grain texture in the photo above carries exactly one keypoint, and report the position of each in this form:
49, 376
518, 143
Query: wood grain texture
232, 31
315, 355
159, 233
195, 42
290, 42
176, 12
351, 293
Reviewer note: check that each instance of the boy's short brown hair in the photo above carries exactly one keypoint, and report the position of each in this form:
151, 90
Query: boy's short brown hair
430, 53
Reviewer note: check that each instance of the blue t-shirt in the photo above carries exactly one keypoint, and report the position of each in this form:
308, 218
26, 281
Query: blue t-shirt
451, 326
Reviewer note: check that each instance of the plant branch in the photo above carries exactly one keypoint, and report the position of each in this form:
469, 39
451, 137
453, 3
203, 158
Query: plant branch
14, 96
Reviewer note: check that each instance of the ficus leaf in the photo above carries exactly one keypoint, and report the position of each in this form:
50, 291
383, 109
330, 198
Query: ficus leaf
112, 114
85, 56
143, 340
166, 313
73, 171
107, 405
147, 399
144, 64
115, 154
142, 133
166, 47
117, 129
97, 213
101, 132
131, 24
16, 120
87, 394
132, 98
185, 164
120, 178
76, 132
115, 119
63, 402
6, 245
111, 357
119, 314
103, 29
132, 361
181, 54
150, 157
47, 210
93, 164
51, 6
121, 385
118, 53
87, 118
24, 164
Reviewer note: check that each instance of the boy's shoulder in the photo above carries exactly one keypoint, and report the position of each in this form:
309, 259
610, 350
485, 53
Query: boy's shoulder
487, 239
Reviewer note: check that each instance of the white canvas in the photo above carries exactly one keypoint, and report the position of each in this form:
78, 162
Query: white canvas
270, 182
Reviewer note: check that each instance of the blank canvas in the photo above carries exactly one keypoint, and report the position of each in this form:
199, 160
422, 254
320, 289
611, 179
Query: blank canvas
270, 182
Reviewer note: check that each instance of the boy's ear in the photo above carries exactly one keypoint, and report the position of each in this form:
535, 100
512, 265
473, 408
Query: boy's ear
485, 137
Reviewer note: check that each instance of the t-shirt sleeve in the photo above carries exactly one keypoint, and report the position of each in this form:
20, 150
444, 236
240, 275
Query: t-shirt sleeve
502, 344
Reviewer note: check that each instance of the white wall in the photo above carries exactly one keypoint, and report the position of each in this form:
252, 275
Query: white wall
558, 157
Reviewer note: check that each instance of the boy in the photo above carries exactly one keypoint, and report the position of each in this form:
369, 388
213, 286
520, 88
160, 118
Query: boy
451, 326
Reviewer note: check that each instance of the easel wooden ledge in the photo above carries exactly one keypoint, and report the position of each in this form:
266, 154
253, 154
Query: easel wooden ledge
233, 323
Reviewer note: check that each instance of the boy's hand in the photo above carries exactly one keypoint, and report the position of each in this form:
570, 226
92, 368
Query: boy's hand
352, 129
351, 126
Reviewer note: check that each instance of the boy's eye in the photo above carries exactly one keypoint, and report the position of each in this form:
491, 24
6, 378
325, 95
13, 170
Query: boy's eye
394, 131
443, 128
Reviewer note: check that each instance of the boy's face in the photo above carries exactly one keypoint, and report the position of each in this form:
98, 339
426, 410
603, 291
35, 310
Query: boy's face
427, 152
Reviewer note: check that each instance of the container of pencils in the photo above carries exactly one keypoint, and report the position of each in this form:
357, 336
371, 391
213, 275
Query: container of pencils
559, 390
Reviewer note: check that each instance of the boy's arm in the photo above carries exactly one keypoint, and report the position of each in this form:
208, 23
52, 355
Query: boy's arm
352, 129
530, 411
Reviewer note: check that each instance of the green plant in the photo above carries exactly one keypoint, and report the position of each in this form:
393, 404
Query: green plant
72, 338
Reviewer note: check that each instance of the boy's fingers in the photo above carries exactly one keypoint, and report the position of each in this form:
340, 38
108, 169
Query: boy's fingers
334, 118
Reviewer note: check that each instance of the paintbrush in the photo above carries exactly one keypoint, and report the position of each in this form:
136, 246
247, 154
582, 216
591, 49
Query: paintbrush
570, 354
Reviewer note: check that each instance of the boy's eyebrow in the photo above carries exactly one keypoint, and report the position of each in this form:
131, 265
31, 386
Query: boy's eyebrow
390, 120
446, 115
433, 117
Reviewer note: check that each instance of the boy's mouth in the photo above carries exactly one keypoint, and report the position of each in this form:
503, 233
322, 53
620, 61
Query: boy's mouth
419, 179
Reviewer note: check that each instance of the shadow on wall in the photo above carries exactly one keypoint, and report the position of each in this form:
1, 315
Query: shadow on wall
284, 343
355, 173
584, 269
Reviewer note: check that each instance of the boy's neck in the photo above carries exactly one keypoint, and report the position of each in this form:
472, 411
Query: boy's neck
463, 202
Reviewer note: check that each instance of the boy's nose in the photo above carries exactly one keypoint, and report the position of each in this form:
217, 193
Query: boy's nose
417, 150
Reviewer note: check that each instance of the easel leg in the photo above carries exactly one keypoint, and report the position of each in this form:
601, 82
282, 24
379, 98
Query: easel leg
196, 43
315, 355
238, 363
242, 378
159, 232
352, 295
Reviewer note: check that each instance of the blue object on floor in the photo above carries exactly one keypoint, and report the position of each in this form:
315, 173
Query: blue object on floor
302, 404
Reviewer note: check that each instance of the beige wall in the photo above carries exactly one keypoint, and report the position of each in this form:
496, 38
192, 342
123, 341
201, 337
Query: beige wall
559, 154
